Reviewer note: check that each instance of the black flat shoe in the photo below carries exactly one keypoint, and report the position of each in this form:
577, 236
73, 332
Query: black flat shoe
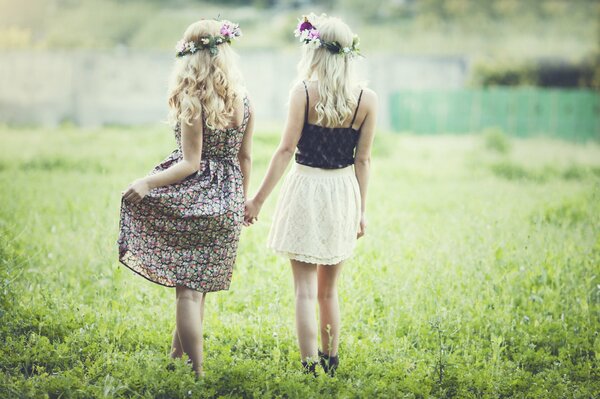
329, 363
309, 367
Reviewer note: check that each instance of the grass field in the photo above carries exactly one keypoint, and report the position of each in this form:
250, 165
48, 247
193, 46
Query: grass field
478, 277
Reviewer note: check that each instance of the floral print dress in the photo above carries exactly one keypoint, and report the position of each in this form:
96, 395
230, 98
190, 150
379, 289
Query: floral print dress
187, 233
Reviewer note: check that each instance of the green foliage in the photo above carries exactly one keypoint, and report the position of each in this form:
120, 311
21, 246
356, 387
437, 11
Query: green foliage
507, 73
511, 170
491, 72
496, 140
568, 212
576, 172
466, 285
521, 29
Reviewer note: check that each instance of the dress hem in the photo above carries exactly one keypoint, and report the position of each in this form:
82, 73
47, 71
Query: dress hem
313, 259
163, 284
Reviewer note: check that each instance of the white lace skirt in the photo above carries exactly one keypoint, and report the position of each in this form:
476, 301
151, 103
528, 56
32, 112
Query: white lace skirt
317, 216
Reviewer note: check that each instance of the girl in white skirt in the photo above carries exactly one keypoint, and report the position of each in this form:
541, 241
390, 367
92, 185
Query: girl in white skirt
321, 209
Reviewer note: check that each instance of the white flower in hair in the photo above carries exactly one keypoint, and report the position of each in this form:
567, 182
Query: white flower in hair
316, 43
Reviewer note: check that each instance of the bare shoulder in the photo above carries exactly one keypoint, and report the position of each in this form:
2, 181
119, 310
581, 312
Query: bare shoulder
297, 94
369, 98
298, 90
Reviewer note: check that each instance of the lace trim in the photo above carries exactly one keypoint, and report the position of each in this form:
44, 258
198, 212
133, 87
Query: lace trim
313, 259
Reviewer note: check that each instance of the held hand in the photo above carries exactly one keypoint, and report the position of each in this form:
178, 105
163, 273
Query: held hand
136, 191
362, 227
251, 212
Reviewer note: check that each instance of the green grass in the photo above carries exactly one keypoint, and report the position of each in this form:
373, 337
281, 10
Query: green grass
478, 277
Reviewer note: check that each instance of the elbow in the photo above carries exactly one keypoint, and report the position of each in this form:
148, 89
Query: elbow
193, 167
362, 162
244, 158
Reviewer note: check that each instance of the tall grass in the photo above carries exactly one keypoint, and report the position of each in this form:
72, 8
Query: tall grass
469, 282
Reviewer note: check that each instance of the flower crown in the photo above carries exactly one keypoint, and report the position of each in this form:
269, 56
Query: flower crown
229, 32
310, 35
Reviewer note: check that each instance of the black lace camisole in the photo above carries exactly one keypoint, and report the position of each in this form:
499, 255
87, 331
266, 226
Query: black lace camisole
327, 147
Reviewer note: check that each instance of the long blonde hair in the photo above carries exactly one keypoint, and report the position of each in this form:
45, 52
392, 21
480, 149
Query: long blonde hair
205, 84
334, 72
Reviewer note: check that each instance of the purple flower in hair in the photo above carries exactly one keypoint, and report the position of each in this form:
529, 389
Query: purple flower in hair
303, 28
305, 25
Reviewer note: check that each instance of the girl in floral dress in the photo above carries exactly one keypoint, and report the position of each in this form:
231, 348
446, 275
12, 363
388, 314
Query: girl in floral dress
180, 225
322, 204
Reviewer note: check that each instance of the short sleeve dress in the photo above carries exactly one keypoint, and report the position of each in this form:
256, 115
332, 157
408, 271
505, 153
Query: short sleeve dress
187, 233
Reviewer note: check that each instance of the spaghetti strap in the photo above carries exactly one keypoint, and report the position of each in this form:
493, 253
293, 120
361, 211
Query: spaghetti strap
355, 111
306, 108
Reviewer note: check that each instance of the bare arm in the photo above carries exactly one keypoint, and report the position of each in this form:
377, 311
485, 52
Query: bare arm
362, 159
245, 153
191, 145
282, 156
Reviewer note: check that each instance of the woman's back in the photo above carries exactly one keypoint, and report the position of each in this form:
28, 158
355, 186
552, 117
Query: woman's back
320, 212
223, 143
327, 147
358, 114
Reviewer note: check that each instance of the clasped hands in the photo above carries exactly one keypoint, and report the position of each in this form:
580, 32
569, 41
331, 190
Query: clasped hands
251, 211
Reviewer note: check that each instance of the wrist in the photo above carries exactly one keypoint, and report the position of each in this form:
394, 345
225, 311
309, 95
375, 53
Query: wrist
258, 200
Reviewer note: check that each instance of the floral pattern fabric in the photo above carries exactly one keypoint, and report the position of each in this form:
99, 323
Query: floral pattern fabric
187, 233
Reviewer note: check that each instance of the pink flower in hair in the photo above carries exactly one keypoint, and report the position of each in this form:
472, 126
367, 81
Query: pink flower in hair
230, 30
226, 30
313, 34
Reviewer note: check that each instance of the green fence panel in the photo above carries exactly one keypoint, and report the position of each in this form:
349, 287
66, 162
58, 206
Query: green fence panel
571, 114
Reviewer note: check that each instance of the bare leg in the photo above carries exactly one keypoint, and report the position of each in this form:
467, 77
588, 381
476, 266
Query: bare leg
329, 309
305, 285
190, 304
176, 348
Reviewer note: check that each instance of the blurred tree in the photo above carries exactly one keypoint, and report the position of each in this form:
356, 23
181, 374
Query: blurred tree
521, 28
255, 3
508, 73
541, 73
378, 10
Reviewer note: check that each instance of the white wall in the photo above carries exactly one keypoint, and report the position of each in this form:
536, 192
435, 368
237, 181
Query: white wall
120, 87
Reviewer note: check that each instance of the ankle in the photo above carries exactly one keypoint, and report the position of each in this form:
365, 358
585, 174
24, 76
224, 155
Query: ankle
325, 354
329, 363
309, 366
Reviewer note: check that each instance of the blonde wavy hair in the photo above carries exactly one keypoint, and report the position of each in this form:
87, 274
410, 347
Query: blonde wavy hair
334, 72
205, 84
